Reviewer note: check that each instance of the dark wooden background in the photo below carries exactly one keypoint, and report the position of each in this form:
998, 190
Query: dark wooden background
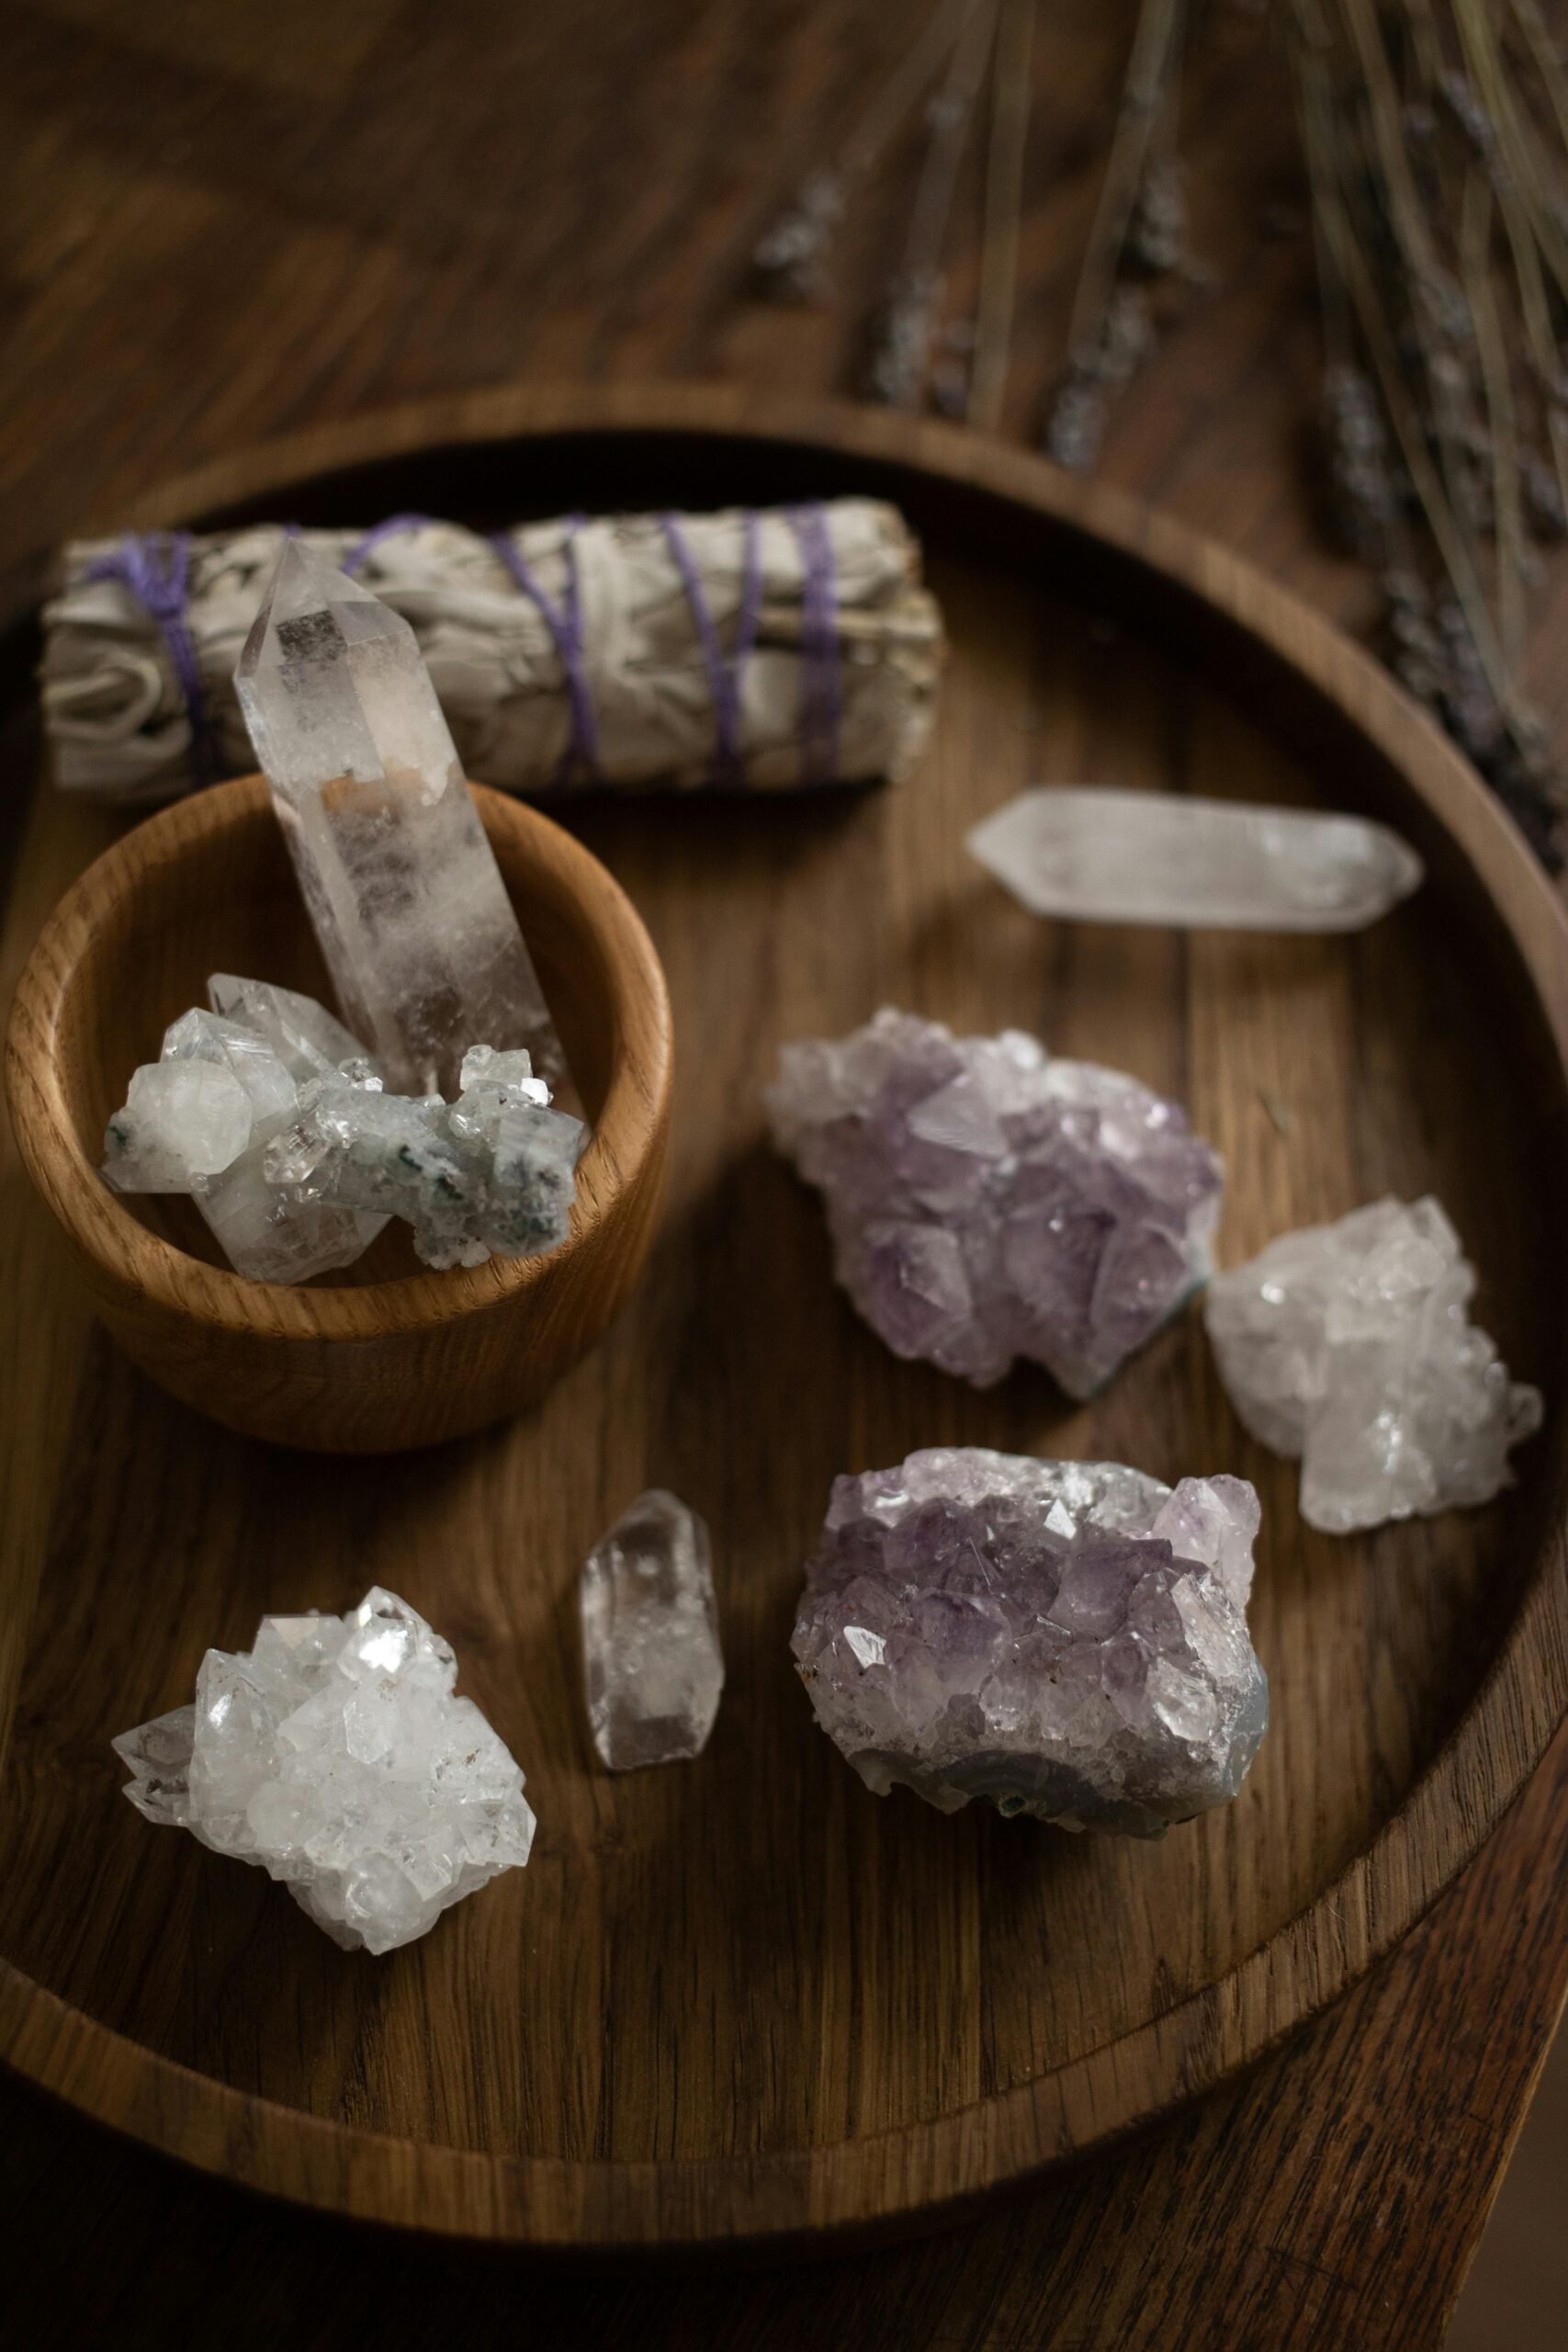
220, 223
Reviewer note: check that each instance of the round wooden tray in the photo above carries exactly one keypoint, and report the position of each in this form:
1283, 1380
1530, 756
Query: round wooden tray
745, 1998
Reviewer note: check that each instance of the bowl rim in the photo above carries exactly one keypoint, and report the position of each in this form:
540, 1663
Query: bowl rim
100, 1226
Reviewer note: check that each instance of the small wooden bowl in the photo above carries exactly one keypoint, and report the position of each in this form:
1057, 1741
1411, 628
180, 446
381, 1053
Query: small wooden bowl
381, 1358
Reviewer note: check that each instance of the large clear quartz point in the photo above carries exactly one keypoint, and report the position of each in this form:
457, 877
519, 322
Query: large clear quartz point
1351, 1346
651, 1654
1094, 854
1067, 1639
401, 883
336, 1755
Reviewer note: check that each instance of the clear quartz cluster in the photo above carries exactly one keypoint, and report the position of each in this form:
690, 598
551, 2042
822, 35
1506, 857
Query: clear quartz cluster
401, 883
651, 1661
1067, 1639
336, 1756
201, 1118
492, 1174
1096, 855
987, 1202
1350, 1345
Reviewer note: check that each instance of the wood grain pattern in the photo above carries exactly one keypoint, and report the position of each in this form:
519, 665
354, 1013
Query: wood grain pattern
392, 1356
697, 2019
223, 224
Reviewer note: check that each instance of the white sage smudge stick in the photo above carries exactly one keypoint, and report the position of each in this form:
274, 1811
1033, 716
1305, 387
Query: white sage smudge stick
771, 649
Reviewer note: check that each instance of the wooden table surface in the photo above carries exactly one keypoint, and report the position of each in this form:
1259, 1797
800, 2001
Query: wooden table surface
221, 223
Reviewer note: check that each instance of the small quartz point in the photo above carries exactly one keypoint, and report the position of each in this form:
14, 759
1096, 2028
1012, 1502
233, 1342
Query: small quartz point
401, 882
651, 1660
201, 1119
1094, 854
492, 1174
986, 1202
336, 1756
1350, 1345
1067, 1639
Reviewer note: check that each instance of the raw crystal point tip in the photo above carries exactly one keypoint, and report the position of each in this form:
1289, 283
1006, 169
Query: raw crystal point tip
1094, 854
201, 1120
401, 882
652, 1664
1350, 1345
1067, 1639
986, 1202
336, 1755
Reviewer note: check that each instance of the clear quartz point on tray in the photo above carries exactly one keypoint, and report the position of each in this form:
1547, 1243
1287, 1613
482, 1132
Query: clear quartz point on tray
651, 1661
401, 883
1092, 854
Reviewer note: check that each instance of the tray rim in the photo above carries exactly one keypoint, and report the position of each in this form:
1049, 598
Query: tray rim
904, 2177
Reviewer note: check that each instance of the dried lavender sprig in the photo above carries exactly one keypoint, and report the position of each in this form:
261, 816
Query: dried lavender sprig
1109, 329
790, 260
1011, 97
903, 332
1444, 648
1475, 246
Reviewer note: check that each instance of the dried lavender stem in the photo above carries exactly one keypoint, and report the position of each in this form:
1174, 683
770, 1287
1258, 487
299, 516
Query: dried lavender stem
1475, 249
1154, 45
900, 365
1011, 98
1405, 209
1520, 153
915, 71
1349, 265
1547, 63
1534, 310
790, 259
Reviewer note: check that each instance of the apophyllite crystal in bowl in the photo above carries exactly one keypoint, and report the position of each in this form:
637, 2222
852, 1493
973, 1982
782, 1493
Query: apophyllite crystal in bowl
989, 1202
1067, 1639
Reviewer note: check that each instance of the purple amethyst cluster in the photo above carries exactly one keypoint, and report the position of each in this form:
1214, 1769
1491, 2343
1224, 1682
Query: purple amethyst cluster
986, 1202
1067, 1639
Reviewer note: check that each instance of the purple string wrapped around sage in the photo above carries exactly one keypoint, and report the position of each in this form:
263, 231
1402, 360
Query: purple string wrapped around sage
724, 676
565, 625
155, 567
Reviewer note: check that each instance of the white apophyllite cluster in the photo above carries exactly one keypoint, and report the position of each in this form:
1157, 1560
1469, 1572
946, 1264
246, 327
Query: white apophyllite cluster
1351, 1346
337, 1756
269, 1114
201, 1118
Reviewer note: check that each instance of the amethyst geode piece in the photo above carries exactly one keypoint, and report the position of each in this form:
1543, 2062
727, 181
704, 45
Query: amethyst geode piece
1067, 1638
986, 1202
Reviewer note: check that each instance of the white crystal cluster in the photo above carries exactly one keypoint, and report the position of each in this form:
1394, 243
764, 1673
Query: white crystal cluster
401, 883
651, 1660
272, 1117
1350, 1345
1067, 1639
492, 1174
1096, 855
987, 1202
337, 1756
199, 1120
